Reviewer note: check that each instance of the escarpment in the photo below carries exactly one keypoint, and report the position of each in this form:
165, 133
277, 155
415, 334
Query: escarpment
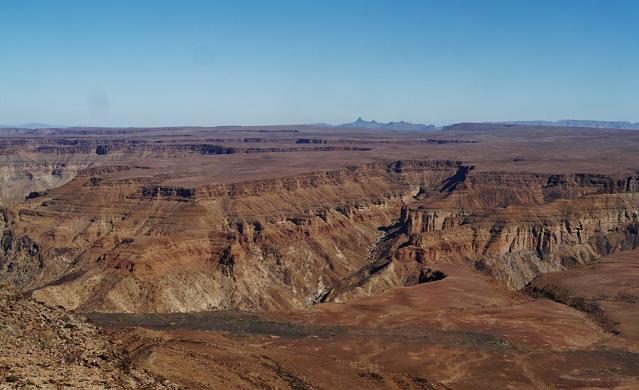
514, 227
31, 165
140, 148
117, 239
129, 245
510, 226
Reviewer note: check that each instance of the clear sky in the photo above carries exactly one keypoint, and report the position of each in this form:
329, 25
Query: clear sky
145, 63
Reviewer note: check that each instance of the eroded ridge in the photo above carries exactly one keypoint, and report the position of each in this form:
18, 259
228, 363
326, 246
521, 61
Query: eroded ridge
127, 244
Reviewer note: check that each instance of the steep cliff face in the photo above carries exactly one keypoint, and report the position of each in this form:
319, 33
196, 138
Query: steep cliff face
517, 243
106, 243
510, 226
123, 245
490, 190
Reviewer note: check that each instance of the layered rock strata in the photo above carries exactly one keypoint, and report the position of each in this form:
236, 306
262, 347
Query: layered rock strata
106, 243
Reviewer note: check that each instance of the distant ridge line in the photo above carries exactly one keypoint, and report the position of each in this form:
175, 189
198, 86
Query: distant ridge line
578, 123
401, 125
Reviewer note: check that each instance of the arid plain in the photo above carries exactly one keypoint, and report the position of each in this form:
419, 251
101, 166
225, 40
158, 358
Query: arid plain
476, 256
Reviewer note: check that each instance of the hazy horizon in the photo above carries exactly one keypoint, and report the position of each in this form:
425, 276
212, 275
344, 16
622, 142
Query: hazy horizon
162, 63
34, 125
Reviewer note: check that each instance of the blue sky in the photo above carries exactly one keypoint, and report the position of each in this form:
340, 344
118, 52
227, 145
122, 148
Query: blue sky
146, 63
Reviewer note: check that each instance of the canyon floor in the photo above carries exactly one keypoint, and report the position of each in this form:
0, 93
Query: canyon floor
306, 257
460, 332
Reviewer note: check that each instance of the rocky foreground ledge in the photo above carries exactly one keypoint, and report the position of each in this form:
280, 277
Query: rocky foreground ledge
46, 347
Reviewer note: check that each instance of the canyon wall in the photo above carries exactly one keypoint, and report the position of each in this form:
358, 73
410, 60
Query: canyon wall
112, 244
516, 244
510, 226
104, 242
36, 165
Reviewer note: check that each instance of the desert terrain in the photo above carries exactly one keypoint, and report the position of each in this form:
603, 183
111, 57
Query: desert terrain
310, 257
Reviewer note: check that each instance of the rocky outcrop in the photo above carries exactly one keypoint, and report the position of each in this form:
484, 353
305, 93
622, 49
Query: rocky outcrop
45, 347
421, 220
168, 193
21, 259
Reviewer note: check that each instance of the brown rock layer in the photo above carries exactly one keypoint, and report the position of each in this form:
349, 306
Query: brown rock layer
107, 243
117, 245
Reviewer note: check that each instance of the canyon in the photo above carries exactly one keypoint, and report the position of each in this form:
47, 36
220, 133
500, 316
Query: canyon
475, 256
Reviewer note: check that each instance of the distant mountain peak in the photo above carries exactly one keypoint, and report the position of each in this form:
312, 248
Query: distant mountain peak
373, 124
